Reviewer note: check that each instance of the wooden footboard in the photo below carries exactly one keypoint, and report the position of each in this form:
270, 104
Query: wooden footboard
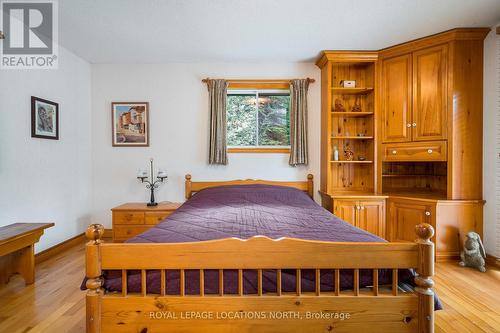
356, 310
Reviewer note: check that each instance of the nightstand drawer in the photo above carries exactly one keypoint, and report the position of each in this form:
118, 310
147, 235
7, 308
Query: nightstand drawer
155, 217
126, 232
128, 217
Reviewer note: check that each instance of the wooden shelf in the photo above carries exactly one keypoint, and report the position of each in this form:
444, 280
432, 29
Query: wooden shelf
352, 137
351, 91
351, 114
356, 161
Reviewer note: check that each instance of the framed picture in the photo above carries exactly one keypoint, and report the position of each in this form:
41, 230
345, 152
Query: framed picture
44, 119
130, 122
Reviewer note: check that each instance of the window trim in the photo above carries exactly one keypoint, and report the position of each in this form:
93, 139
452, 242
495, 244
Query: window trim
256, 88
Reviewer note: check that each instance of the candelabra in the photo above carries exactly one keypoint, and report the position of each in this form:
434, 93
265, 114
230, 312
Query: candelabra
151, 183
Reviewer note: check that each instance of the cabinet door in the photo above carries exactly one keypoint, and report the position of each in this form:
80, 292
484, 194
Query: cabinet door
429, 94
396, 99
346, 210
405, 216
371, 217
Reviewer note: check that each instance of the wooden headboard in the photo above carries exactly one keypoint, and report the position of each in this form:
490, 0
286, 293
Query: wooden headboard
193, 187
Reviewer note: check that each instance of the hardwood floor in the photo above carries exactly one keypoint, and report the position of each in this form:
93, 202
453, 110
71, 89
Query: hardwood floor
55, 303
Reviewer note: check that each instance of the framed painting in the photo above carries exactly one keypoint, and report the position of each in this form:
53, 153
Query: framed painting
130, 124
44, 119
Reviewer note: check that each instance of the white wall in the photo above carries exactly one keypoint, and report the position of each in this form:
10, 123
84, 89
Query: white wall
179, 129
491, 142
46, 180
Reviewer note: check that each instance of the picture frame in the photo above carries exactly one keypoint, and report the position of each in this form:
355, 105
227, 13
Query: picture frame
44, 119
130, 124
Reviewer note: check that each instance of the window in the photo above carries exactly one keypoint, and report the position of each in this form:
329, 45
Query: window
258, 120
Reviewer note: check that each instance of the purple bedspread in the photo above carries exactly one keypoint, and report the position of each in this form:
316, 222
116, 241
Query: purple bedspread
244, 211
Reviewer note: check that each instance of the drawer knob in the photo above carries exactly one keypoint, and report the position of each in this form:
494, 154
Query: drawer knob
394, 152
427, 213
408, 125
414, 124
429, 151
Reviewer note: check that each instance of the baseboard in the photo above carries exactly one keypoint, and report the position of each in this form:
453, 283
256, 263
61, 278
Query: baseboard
61, 247
447, 257
492, 261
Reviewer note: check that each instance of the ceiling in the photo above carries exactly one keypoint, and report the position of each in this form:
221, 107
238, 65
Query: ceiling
155, 31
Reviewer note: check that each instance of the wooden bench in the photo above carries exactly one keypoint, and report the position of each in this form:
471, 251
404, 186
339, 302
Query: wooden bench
17, 250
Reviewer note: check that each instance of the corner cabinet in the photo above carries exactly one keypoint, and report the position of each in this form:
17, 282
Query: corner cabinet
414, 92
429, 93
396, 99
417, 141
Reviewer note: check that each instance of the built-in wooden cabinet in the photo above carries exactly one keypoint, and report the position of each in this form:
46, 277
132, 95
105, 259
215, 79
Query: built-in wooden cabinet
429, 94
404, 215
420, 136
396, 99
451, 219
414, 96
365, 213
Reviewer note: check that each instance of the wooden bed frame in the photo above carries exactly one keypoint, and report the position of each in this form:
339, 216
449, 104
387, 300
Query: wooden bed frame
373, 309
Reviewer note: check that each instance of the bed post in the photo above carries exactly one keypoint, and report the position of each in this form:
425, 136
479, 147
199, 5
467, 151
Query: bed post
188, 186
310, 186
423, 280
93, 272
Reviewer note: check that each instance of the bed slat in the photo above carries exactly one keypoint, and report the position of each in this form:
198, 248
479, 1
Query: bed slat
202, 282
259, 282
240, 282
163, 282
278, 282
124, 282
337, 282
183, 283
375, 282
356, 282
143, 282
221, 282
395, 282
298, 280
318, 282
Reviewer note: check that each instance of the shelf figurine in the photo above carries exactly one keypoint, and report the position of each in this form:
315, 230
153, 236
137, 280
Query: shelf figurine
357, 106
338, 106
348, 154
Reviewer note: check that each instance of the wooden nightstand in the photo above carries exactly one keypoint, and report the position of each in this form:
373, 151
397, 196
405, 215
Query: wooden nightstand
133, 218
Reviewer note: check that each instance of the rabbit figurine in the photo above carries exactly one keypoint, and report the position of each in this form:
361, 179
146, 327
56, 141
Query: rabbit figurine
473, 254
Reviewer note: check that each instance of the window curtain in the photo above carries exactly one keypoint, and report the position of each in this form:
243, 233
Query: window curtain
298, 122
217, 90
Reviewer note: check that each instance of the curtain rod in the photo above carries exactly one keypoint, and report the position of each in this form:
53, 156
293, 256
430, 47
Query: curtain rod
260, 81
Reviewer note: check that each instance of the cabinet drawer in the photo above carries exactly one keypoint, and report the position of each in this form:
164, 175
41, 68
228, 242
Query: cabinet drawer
126, 232
418, 151
128, 217
155, 217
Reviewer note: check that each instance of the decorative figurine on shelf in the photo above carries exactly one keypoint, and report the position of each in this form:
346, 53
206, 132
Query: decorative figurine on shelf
348, 154
338, 106
151, 183
357, 106
473, 254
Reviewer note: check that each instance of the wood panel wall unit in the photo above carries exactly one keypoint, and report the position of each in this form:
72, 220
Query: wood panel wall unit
431, 110
426, 122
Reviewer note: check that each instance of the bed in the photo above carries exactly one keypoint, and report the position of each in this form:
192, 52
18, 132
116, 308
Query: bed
254, 255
